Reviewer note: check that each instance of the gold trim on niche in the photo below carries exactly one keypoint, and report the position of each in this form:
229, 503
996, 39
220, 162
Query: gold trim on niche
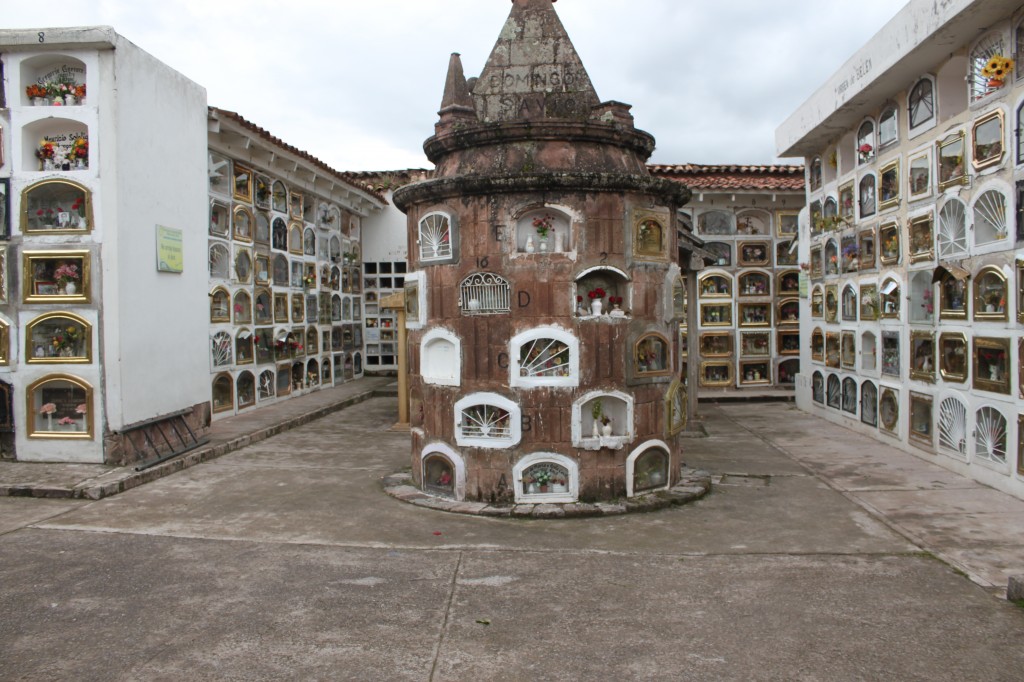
925, 437
746, 254
786, 217
918, 191
706, 339
720, 322
818, 345
889, 426
86, 327
85, 213
765, 315
32, 411
758, 377
924, 252
36, 274
982, 299
998, 149
651, 233
889, 242
5, 343
780, 343
951, 367
716, 294
889, 176
922, 364
728, 381
995, 384
241, 182
949, 161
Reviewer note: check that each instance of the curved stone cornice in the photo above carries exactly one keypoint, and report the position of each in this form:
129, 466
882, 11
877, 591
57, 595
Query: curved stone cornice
493, 134
670, 192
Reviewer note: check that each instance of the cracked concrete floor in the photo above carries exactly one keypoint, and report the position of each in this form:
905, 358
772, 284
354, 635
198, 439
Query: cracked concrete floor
284, 560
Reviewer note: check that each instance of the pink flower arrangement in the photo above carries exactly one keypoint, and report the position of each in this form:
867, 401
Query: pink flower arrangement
66, 421
66, 272
81, 409
48, 408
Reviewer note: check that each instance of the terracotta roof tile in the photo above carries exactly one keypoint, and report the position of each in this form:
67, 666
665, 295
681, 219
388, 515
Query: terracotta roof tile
381, 181
278, 142
734, 178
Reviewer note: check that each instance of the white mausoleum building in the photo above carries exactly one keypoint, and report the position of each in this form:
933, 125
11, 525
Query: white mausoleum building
912, 240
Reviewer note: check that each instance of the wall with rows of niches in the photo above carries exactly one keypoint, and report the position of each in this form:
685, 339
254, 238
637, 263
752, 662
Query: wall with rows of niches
286, 290
913, 242
748, 312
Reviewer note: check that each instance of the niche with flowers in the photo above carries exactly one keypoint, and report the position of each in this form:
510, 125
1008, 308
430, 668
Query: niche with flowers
868, 301
755, 344
59, 407
755, 314
832, 349
922, 355
716, 344
647, 469
716, 373
754, 283
62, 145
753, 372
818, 345
651, 356
831, 303
787, 342
990, 295
817, 302
546, 356
953, 357
56, 276
831, 257
544, 230
58, 337
889, 237
602, 291
715, 285
56, 207
602, 419
922, 238
788, 283
754, 254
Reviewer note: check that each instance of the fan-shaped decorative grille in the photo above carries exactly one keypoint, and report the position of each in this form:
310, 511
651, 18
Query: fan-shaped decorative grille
921, 103
953, 229
485, 421
220, 349
990, 217
980, 84
990, 435
953, 426
544, 358
267, 384
818, 388
435, 237
834, 398
869, 403
484, 294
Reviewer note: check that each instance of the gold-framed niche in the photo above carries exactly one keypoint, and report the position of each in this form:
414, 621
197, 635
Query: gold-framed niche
41, 276
59, 407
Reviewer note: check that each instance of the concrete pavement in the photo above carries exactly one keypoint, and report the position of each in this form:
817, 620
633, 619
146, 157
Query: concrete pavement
285, 560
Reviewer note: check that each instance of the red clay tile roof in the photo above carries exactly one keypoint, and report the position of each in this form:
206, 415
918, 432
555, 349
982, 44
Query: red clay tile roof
381, 181
734, 178
266, 135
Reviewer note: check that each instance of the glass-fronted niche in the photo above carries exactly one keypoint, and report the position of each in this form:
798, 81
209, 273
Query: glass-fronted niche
58, 337
59, 406
56, 207
55, 276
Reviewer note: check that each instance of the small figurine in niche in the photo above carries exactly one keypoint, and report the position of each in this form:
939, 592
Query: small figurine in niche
445, 479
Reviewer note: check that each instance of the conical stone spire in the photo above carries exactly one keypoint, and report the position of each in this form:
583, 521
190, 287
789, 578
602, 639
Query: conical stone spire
457, 102
533, 72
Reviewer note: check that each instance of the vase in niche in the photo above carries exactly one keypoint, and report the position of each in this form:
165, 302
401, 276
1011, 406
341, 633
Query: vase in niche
69, 100
596, 433
595, 306
474, 304
70, 289
559, 242
530, 248
80, 164
40, 101
606, 429
543, 245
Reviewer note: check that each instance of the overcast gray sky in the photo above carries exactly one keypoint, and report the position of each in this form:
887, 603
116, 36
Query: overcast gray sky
358, 83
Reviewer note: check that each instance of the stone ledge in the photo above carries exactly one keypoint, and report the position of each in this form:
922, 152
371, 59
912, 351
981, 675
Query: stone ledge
1015, 588
693, 485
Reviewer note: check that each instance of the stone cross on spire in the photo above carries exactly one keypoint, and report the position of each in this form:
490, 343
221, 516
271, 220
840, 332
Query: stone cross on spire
533, 72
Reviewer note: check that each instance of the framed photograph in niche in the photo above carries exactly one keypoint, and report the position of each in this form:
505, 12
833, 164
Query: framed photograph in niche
889, 185
59, 406
951, 151
716, 344
754, 254
53, 207
922, 238
922, 355
242, 181
786, 223
919, 177
992, 364
953, 357
56, 276
987, 140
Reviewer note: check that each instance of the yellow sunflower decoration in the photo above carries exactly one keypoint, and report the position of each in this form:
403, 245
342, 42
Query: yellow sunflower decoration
997, 69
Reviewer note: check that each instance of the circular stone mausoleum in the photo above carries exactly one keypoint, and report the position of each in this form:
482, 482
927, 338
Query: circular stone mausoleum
544, 300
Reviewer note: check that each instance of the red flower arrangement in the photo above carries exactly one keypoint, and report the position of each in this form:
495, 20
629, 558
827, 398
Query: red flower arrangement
615, 300
47, 150
596, 293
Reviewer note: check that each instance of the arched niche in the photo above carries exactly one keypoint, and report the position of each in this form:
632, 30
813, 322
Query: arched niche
221, 347
58, 140
869, 403
279, 235
787, 372
245, 389
715, 285
437, 237
544, 356
651, 356
220, 218
59, 406
312, 373
483, 293
647, 468
56, 206
242, 224
223, 393
818, 387
850, 395
868, 351
588, 417
753, 222
487, 420
544, 229
220, 261
58, 337
242, 307
295, 238
243, 346
49, 76
443, 471
607, 284
441, 358
546, 477
754, 283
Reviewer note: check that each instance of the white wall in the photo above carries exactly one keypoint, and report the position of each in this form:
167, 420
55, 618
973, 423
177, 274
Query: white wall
384, 234
153, 166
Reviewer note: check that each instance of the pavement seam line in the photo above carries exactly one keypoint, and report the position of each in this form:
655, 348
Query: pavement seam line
47, 519
892, 525
447, 611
